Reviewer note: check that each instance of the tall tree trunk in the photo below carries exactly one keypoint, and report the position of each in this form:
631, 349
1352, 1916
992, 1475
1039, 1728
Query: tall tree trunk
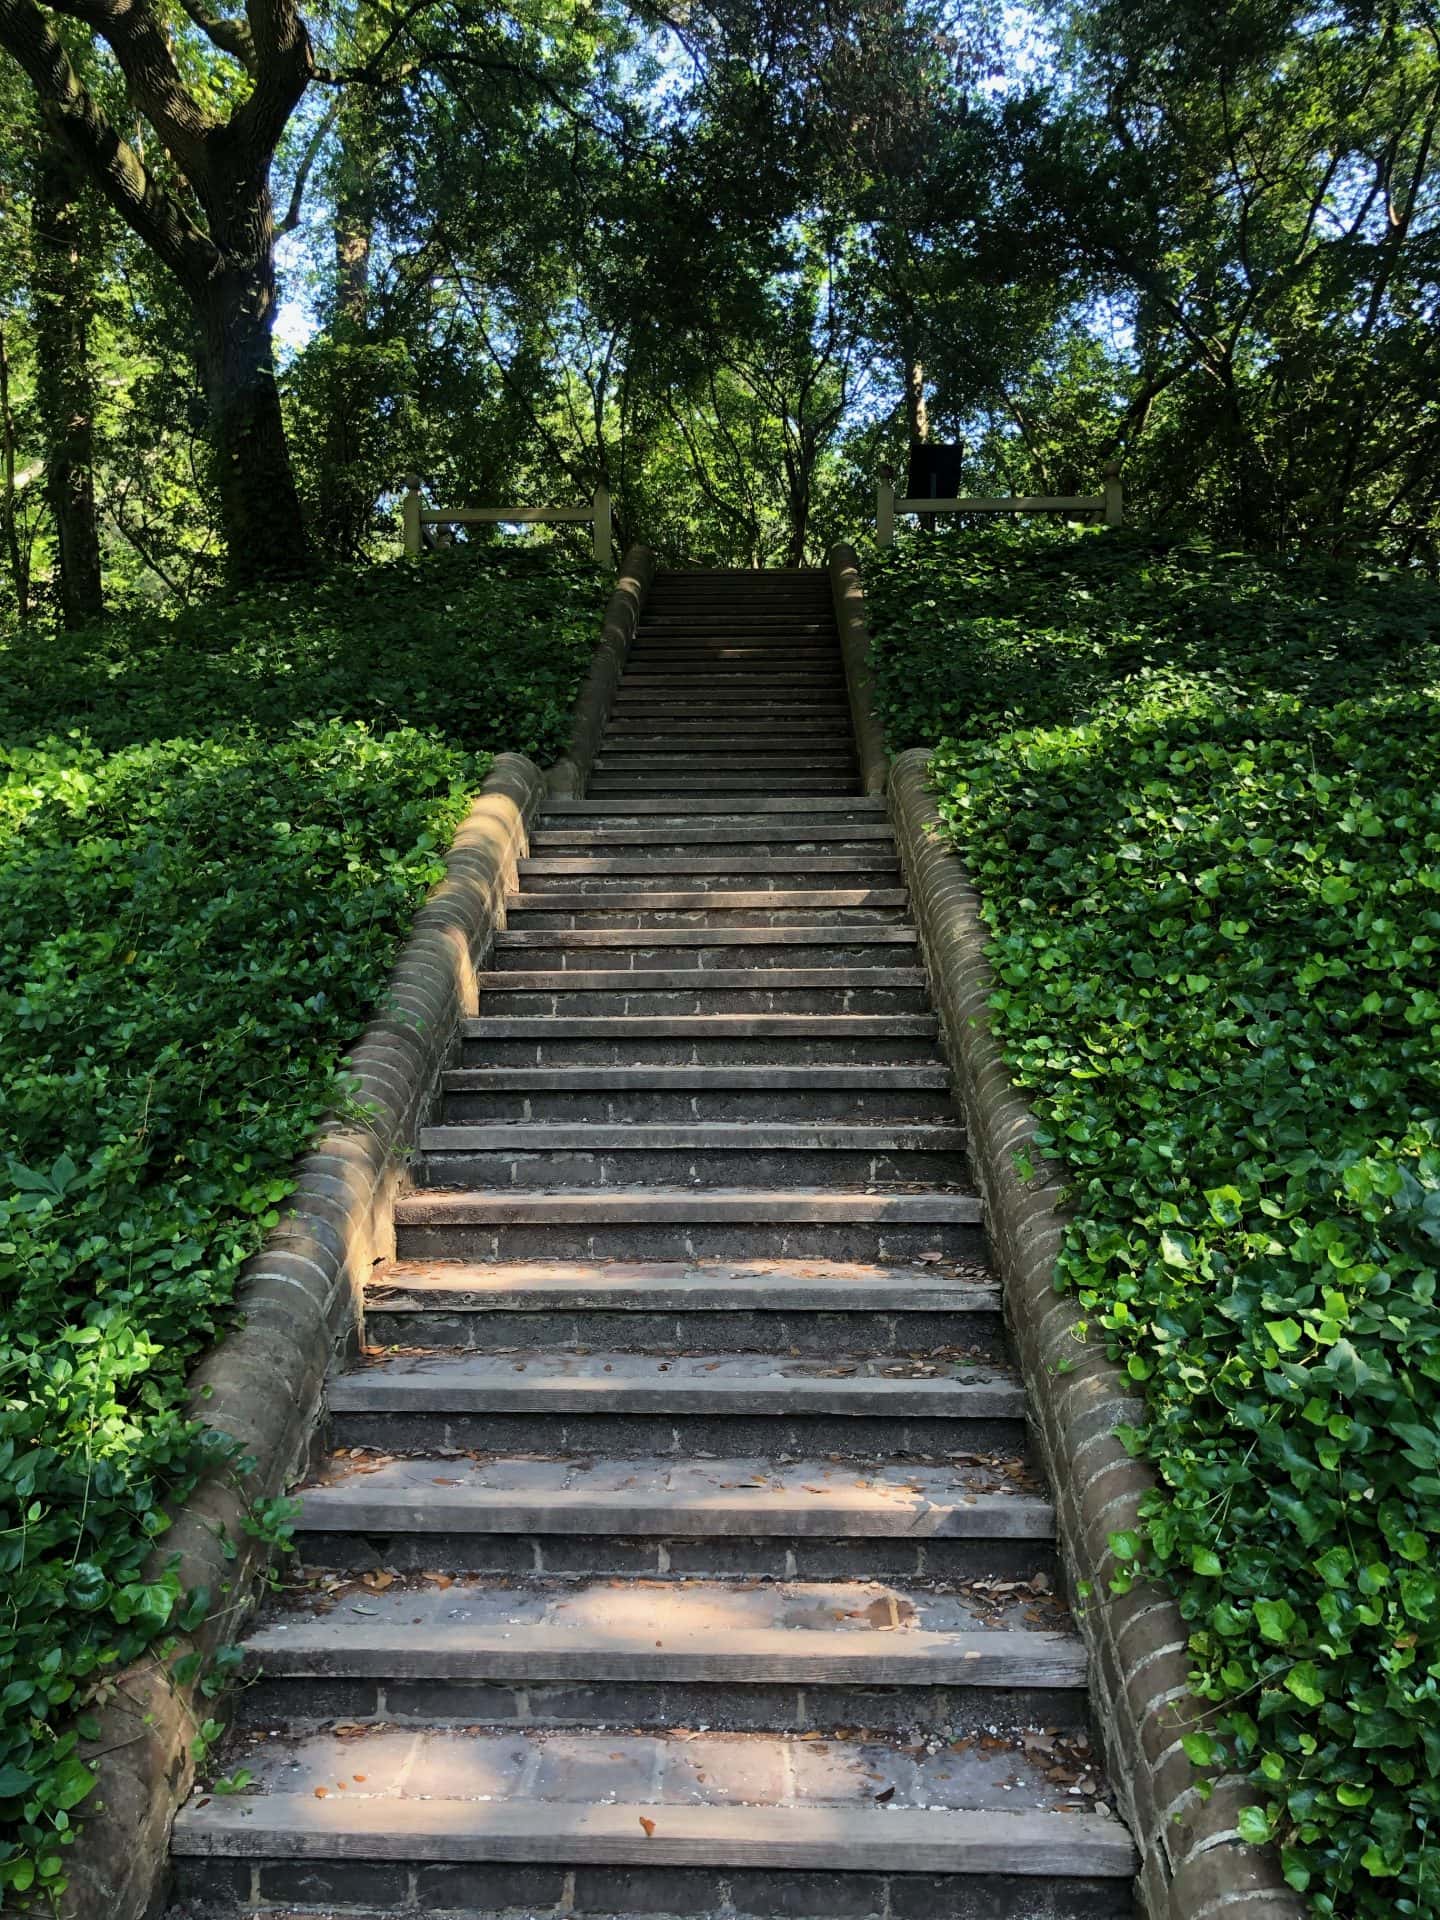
15, 553
259, 503
916, 412
64, 299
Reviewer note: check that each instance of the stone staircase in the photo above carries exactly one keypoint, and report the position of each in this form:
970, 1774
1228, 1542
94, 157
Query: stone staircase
676, 1552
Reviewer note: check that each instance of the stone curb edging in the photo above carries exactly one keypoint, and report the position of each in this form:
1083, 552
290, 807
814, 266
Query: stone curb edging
570, 772
301, 1295
1193, 1863
843, 566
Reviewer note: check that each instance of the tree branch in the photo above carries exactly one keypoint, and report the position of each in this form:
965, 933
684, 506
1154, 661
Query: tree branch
110, 162
306, 167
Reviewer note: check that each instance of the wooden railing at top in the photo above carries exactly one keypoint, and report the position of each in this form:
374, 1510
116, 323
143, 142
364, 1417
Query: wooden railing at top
416, 516
1109, 504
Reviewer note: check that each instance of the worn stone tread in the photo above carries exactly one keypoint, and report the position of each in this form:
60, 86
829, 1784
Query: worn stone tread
759, 1206
701, 1079
862, 806
693, 1136
670, 1497
699, 1632
619, 1382
698, 1026
714, 900
779, 1286
839, 979
843, 1838
835, 933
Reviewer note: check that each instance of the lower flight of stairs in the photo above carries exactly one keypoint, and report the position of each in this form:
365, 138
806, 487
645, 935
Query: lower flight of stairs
676, 1551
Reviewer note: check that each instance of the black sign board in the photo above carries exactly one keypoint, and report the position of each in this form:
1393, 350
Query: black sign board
934, 470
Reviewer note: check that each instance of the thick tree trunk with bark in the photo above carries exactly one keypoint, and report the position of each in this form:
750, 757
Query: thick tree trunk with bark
259, 503
212, 224
64, 301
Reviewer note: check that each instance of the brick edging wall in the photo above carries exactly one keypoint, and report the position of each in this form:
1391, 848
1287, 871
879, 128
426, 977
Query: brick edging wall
301, 1297
571, 771
1193, 1864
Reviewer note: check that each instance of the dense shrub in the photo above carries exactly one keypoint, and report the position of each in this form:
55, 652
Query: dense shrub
1201, 797
213, 832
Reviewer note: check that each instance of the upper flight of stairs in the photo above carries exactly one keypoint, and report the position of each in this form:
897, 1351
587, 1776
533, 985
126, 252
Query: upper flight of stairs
676, 1551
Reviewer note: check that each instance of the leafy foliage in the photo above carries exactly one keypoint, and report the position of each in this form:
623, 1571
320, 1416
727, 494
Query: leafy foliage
1199, 796
200, 898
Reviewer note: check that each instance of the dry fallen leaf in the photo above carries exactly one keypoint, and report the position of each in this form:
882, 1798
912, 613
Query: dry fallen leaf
322, 1793
648, 1825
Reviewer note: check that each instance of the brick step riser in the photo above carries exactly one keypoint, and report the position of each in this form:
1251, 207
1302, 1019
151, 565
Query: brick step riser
597, 917
661, 873
633, 786
682, 1436
724, 844
387, 1890
600, 882
757, 1556
736, 1329
878, 1241
655, 707
610, 1106
304, 1703
608, 1002
701, 741
684, 1167
715, 755
629, 954
623, 1051
761, 734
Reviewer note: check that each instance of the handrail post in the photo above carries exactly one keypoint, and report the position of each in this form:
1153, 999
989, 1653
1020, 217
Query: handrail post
603, 547
1114, 498
885, 509
410, 516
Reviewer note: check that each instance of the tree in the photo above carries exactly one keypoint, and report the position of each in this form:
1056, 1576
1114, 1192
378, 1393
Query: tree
203, 206
64, 299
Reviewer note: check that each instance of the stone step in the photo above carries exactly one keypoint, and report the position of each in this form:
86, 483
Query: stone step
666, 1498
416, 1820
866, 808
632, 993
749, 871
760, 743
688, 1169
621, 1403
613, 785
744, 755
721, 938
790, 1039
762, 1306
735, 1136
720, 838
803, 729
882, 1225
660, 1105
818, 1634
842, 977
706, 678
748, 644
596, 912
652, 711
773, 900
683, 1287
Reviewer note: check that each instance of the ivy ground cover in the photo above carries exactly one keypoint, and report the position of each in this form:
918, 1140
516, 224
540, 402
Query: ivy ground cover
1201, 797
213, 832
